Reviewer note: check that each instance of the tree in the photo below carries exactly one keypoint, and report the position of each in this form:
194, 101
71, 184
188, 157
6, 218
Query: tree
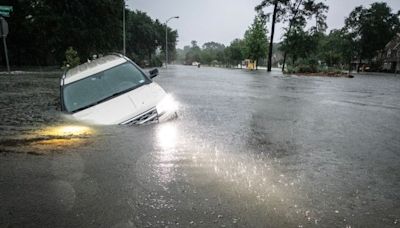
294, 12
371, 28
235, 52
256, 40
335, 49
300, 44
71, 58
41, 31
194, 53
277, 15
212, 52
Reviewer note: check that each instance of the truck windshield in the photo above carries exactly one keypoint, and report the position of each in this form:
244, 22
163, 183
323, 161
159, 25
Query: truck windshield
102, 86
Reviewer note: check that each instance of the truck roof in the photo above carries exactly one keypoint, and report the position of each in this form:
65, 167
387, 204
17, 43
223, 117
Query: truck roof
93, 67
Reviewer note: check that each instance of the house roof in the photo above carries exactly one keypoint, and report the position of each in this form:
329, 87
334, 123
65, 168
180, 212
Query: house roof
394, 43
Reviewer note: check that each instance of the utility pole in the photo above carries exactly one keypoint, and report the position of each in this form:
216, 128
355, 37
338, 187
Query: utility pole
3, 34
166, 40
123, 28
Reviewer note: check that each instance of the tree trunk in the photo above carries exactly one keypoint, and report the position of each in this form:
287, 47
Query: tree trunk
256, 64
290, 28
284, 61
271, 42
350, 67
359, 64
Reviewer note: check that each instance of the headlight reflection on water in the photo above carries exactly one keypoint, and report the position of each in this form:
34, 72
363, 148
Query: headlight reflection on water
167, 157
59, 136
65, 131
167, 136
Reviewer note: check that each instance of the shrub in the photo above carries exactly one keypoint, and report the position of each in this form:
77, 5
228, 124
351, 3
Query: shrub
309, 65
156, 62
71, 58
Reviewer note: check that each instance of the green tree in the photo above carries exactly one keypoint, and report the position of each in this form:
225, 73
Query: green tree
71, 58
372, 28
300, 44
235, 52
335, 49
194, 53
41, 31
212, 52
294, 12
256, 40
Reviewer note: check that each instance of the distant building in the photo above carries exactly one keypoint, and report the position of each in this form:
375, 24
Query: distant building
390, 56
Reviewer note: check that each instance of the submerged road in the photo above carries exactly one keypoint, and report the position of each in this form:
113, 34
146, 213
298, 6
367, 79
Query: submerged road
249, 149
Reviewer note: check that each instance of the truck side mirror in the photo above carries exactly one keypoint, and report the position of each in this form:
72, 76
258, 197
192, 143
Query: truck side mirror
153, 73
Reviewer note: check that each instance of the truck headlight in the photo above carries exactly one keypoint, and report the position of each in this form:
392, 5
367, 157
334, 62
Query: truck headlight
167, 105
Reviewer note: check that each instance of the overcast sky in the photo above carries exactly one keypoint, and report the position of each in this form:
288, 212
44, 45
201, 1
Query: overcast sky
224, 20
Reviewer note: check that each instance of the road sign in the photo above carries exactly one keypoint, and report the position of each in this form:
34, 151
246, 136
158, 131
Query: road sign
4, 14
3, 27
6, 8
5, 11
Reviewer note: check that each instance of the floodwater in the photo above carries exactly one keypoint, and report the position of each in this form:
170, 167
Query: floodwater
249, 149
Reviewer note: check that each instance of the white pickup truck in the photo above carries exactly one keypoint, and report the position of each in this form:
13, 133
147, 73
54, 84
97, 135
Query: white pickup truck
114, 90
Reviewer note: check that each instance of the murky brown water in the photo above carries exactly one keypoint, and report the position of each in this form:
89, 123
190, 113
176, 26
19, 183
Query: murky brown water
248, 150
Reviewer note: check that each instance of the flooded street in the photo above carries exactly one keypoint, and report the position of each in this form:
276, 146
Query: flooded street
249, 149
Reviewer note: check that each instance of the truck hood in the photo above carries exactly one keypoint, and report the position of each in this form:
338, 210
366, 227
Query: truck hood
123, 107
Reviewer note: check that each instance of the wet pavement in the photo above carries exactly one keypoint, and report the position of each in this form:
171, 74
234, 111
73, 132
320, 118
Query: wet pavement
249, 149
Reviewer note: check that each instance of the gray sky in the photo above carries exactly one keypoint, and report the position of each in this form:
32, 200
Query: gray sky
224, 20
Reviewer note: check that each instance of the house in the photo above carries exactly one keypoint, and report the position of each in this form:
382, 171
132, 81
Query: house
390, 55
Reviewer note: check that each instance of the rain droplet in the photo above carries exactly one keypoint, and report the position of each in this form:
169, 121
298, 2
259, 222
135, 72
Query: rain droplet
336, 211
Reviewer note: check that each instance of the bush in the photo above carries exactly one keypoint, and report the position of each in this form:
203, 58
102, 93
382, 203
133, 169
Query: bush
304, 66
307, 66
156, 62
71, 58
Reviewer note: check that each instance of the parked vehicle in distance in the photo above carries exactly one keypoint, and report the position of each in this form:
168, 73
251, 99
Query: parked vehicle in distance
114, 90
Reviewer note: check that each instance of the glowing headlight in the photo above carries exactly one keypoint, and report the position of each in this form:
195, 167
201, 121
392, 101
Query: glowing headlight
67, 131
167, 105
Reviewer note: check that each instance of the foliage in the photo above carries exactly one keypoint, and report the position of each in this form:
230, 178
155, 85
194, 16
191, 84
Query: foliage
156, 61
193, 54
295, 13
300, 44
335, 49
41, 31
307, 65
71, 58
372, 28
235, 52
212, 53
255, 39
